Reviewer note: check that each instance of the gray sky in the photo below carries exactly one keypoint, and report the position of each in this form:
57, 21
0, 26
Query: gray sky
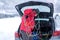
8, 6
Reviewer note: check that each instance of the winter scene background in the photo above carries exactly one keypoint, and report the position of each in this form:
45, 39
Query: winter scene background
10, 19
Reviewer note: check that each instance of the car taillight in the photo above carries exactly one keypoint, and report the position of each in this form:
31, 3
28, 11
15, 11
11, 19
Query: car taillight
16, 34
56, 33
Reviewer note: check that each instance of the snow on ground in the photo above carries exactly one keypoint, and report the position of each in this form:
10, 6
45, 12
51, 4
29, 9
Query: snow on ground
8, 26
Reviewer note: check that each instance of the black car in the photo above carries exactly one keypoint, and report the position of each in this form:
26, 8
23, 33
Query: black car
45, 25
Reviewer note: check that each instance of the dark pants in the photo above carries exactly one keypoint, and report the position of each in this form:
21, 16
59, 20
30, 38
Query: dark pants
24, 36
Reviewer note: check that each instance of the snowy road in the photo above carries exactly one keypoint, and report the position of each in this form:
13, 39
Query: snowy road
7, 28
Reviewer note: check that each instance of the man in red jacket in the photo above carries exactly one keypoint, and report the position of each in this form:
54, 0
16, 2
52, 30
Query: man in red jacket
28, 23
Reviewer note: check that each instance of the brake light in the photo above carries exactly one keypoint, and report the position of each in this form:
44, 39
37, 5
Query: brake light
16, 34
56, 33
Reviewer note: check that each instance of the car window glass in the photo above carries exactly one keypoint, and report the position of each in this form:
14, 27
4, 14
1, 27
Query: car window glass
41, 8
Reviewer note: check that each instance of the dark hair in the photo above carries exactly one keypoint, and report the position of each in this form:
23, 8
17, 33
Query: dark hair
37, 10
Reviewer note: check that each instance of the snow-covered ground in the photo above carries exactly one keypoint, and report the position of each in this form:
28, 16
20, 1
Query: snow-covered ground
8, 26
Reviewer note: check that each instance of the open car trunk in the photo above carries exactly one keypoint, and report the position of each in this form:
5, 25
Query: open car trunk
44, 20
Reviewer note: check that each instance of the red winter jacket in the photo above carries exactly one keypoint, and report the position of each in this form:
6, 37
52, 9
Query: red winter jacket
28, 22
